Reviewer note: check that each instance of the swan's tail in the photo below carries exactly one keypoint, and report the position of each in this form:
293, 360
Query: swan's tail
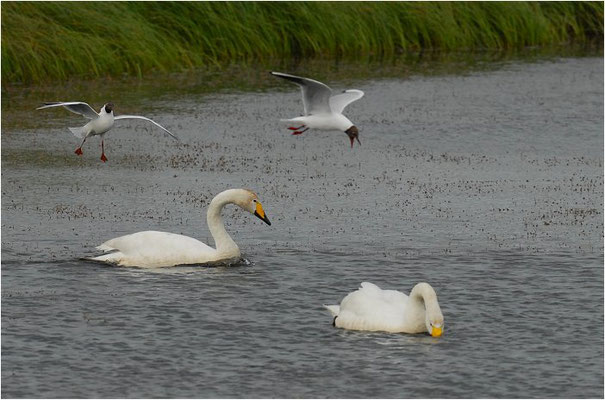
113, 258
105, 247
79, 132
334, 309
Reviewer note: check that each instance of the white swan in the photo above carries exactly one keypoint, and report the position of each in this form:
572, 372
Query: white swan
162, 249
370, 308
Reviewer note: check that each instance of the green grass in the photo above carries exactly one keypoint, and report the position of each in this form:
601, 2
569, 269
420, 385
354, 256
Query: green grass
50, 41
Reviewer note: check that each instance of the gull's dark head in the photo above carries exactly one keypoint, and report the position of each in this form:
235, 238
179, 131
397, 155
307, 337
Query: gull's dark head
353, 134
108, 107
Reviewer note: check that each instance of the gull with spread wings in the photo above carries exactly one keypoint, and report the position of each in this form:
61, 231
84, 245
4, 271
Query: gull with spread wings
322, 109
99, 123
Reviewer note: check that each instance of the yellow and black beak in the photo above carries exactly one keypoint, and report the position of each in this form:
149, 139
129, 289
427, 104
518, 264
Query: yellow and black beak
261, 213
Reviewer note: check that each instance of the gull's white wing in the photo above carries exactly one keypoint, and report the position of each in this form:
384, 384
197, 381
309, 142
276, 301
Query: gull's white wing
316, 95
340, 101
146, 119
77, 107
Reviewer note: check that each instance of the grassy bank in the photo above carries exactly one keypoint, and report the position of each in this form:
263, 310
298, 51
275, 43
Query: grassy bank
43, 41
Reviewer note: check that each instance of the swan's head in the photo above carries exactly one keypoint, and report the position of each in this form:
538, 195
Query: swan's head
353, 134
435, 325
249, 201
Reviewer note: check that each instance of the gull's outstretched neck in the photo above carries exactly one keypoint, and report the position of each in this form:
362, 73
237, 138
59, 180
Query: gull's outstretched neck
222, 240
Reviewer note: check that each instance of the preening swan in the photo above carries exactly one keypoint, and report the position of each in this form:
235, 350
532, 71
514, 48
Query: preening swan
370, 308
162, 249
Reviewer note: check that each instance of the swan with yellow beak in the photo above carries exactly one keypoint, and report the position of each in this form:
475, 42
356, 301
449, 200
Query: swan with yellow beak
371, 308
155, 249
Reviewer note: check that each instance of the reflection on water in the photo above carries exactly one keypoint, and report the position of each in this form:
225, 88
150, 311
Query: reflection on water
216, 268
483, 178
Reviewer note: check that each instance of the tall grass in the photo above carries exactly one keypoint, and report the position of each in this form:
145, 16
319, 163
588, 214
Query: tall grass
45, 41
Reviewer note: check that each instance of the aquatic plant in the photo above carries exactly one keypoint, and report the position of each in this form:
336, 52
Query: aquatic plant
45, 41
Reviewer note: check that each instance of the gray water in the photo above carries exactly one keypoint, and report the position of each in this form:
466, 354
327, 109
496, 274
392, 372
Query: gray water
486, 182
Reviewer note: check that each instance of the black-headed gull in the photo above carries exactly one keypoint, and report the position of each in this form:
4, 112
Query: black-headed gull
322, 110
99, 123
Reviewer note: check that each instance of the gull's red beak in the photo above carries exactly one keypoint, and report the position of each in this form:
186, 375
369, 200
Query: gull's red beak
353, 141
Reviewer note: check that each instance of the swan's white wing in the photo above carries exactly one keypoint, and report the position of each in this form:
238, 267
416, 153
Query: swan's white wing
146, 119
152, 242
155, 249
340, 101
370, 286
316, 95
392, 297
373, 309
77, 107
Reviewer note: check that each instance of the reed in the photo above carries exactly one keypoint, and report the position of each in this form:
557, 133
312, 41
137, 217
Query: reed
49, 41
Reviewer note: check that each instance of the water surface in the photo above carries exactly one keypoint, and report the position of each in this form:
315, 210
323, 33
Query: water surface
486, 182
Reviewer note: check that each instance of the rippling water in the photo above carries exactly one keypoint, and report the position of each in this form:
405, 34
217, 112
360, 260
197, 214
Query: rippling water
488, 184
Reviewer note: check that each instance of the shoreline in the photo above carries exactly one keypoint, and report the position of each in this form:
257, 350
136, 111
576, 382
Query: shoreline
49, 42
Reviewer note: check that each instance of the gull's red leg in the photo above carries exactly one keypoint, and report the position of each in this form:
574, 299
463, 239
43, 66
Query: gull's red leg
300, 132
103, 158
295, 129
79, 149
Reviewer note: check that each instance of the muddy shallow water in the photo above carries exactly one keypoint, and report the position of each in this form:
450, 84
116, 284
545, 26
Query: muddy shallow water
486, 183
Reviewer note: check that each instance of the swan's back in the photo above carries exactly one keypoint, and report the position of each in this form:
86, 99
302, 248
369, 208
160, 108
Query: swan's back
370, 308
155, 249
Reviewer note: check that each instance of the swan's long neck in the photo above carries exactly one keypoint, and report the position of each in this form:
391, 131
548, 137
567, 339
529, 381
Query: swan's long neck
424, 301
224, 243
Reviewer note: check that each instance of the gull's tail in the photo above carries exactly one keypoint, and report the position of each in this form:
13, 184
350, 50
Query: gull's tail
79, 132
297, 119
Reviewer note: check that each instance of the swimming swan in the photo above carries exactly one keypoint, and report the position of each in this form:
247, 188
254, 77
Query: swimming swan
370, 308
162, 249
